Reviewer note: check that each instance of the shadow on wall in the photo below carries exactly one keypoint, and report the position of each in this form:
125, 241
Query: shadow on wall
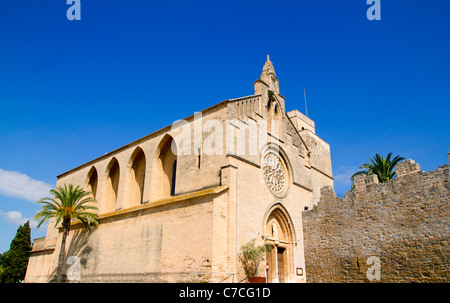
76, 256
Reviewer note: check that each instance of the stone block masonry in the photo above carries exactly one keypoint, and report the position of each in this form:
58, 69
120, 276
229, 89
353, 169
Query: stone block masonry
403, 223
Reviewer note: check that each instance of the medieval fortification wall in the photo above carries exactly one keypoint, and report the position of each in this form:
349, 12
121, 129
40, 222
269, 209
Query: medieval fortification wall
382, 232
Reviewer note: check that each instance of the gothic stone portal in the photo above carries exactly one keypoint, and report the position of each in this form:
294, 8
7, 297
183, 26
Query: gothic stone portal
279, 240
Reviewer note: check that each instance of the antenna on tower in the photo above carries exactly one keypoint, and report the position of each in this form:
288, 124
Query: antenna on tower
306, 107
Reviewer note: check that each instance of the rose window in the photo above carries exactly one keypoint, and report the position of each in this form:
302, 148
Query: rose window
274, 172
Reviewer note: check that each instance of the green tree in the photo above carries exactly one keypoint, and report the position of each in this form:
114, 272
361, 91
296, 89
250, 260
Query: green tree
14, 262
2, 269
69, 203
384, 168
250, 257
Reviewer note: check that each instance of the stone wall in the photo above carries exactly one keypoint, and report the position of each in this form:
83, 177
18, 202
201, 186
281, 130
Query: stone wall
399, 229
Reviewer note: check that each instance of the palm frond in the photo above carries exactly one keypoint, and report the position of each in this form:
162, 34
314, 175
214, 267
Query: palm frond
68, 202
383, 167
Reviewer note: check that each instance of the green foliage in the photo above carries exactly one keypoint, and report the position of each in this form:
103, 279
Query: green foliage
384, 168
13, 264
2, 269
271, 94
69, 203
250, 257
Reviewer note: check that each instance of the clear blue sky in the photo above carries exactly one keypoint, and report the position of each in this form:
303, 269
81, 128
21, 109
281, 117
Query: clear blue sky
71, 91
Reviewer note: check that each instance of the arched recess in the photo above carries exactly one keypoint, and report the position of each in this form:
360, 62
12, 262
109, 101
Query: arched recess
280, 238
275, 118
164, 169
137, 167
92, 182
112, 185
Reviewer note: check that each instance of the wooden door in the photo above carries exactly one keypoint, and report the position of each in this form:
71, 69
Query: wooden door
280, 265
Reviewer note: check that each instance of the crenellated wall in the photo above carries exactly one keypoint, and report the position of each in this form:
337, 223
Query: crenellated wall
403, 224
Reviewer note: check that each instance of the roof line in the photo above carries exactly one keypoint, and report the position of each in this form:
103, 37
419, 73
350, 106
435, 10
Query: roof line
136, 142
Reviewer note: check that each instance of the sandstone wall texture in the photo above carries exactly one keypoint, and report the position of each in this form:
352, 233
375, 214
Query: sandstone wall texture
400, 229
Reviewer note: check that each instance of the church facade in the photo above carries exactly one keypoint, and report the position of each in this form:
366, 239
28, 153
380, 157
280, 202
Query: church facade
177, 205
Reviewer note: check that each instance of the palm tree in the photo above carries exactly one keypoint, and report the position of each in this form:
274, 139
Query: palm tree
69, 203
384, 168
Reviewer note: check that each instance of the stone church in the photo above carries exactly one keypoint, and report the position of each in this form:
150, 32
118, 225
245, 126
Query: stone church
177, 205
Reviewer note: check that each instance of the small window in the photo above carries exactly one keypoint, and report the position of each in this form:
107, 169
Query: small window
174, 178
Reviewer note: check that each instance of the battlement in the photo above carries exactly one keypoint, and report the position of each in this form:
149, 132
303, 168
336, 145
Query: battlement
403, 169
361, 181
407, 167
403, 223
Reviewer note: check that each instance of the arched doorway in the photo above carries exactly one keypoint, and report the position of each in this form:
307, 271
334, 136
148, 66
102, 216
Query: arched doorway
279, 238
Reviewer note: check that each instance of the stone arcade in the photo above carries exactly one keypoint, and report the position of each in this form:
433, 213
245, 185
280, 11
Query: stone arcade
176, 217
